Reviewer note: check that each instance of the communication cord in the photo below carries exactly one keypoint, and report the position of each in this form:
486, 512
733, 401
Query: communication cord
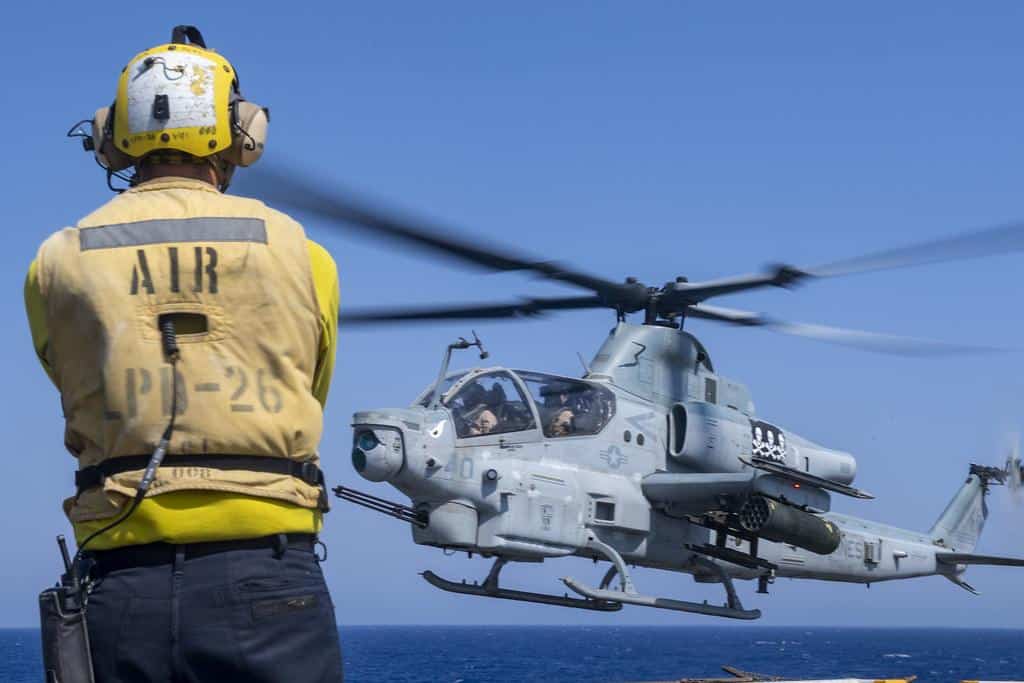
169, 342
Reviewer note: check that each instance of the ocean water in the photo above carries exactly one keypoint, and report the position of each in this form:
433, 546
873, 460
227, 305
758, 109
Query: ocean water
608, 654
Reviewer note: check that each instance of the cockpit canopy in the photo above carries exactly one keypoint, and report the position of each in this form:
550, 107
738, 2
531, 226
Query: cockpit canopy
569, 407
502, 401
449, 381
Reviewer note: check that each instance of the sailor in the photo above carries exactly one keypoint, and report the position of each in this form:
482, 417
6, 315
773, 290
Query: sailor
176, 315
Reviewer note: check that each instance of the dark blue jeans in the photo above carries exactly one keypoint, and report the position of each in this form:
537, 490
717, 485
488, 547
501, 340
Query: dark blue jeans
212, 612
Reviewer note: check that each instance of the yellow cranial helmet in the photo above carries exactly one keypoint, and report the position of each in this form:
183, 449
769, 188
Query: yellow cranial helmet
175, 96
184, 98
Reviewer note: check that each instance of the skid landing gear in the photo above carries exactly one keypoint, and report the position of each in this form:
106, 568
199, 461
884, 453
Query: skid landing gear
626, 593
490, 589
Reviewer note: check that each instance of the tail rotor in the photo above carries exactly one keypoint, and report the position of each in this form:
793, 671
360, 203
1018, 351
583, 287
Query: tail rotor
1014, 472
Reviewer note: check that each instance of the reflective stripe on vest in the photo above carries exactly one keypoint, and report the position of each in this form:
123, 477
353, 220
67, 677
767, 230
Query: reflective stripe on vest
169, 231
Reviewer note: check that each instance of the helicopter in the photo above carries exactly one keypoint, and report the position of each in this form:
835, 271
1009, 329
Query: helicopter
652, 458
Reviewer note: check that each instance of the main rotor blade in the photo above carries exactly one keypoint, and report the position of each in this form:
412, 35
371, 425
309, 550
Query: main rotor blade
999, 240
520, 309
343, 206
680, 294
867, 341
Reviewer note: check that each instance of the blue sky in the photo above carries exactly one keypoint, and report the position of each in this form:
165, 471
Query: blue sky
646, 139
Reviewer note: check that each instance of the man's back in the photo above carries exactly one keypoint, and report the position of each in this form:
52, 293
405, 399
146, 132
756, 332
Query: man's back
237, 277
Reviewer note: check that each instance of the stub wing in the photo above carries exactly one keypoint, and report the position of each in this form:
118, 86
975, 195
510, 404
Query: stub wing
971, 558
806, 478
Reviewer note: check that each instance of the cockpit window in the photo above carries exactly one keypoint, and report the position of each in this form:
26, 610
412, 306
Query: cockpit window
490, 404
447, 384
569, 407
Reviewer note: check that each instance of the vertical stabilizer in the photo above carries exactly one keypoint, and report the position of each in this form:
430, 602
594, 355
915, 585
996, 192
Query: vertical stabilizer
959, 526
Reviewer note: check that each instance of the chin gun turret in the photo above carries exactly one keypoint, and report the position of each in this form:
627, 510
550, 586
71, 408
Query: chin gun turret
783, 523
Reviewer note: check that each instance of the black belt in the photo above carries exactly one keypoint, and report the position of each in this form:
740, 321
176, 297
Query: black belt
156, 554
93, 475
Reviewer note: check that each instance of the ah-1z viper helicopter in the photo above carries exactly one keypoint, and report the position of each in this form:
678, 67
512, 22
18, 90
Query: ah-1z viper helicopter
651, 459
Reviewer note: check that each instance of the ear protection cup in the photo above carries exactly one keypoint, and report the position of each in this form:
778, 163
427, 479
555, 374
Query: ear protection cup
249, 133
107, 153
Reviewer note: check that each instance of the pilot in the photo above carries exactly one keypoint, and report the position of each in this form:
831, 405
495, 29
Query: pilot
481, 420
559, 409
158, 304
561, 423
480, 408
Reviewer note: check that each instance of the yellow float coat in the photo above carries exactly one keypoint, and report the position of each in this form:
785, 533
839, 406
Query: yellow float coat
254, 380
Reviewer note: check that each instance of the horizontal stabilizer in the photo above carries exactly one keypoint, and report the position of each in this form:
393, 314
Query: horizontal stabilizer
970, 558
